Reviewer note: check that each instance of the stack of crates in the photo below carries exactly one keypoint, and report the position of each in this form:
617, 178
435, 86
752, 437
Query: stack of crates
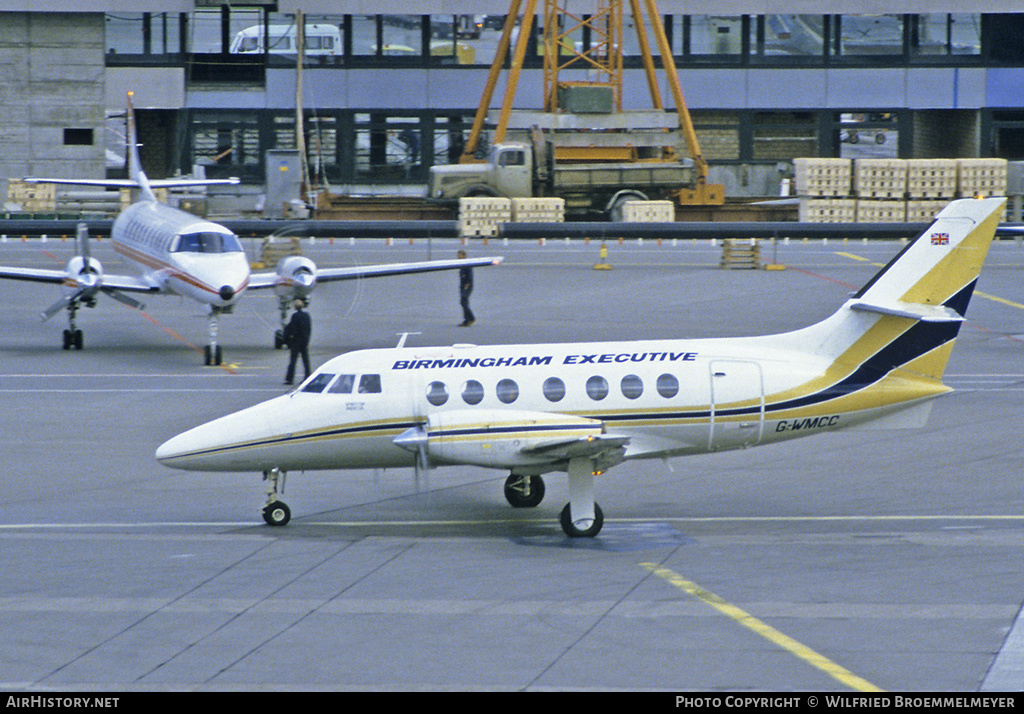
822, 177
827, 210
931, 184
881, 188
480, 216
823, 186
889, 190
32, 197
982, 177
538, 210
649, 211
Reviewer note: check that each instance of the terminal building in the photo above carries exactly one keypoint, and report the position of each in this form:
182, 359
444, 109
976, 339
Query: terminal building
386, 96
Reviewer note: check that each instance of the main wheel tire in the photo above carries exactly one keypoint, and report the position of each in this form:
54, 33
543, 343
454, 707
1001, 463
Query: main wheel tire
573, 532
68, 339
277, 513
524, 491
218, 355
78, 339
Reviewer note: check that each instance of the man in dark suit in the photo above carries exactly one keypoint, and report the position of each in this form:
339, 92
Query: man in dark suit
296, 336
465, 288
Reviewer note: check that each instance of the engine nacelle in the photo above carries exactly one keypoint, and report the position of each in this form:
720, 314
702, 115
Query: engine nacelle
84, 276
497, 438
296, 277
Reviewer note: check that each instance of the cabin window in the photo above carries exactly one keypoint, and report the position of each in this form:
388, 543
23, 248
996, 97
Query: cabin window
597, 388
508, 391
318, 382
369, 384
437, 393
668, 386
343, 385
554, 389
632, 386
472, 392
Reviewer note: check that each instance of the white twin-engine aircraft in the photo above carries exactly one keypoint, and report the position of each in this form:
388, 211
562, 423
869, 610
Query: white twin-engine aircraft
185, 255
585, 407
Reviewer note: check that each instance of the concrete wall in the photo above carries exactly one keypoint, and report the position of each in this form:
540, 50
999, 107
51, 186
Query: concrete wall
51, 79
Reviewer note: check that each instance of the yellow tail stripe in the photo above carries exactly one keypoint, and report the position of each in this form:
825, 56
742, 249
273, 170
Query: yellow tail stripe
767, 631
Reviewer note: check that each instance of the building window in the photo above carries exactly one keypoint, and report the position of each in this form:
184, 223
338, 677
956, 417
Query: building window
78, 137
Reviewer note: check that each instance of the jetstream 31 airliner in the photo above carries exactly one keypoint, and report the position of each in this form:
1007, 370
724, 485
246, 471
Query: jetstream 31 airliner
179, 253
585, 407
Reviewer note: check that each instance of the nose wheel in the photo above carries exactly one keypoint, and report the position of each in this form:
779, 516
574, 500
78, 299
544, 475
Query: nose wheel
276, 512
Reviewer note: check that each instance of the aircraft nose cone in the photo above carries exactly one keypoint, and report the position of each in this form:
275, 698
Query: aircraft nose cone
227, 292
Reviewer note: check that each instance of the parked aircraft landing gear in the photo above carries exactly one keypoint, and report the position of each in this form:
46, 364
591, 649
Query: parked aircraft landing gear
276, 512
524, 491
581, 517
570, 526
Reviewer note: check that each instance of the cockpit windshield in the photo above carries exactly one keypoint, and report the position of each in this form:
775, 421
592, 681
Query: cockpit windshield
344, 384
208, 242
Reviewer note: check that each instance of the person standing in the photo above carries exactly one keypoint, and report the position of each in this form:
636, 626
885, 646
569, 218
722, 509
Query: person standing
296, 336
465, 288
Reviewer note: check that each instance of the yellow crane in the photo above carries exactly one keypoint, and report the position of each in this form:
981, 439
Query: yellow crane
602, 60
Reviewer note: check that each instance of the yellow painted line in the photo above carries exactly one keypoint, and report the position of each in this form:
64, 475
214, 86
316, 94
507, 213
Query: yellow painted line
767, 631
999, 300
851, 256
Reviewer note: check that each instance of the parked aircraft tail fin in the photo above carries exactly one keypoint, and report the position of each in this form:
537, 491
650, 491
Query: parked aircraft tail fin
896, 334
137, 179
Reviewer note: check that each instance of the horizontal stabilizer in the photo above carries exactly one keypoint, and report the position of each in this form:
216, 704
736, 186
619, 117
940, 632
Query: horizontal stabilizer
913, 311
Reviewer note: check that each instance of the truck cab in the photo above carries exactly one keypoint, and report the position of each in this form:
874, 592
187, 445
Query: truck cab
508, 172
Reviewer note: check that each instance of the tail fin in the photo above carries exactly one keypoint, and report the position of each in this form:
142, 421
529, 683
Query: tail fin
907, 318
933, 278
137, 179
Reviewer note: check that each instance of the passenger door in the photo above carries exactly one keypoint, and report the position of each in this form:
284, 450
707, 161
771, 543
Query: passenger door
737, 404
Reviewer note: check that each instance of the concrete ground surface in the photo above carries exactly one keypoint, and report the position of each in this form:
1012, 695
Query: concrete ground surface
843, 562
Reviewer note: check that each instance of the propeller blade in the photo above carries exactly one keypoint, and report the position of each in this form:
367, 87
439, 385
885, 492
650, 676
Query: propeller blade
82, 238
60, 305
124, 299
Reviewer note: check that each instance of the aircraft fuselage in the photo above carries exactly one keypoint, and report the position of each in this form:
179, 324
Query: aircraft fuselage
181, 253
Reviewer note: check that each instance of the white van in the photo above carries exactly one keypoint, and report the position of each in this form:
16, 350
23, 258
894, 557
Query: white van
321, 40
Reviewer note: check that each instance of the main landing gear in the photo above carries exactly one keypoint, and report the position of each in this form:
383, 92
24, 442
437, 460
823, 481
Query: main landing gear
276, 512
582, 516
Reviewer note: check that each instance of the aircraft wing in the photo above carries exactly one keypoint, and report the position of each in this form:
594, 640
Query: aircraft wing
131, 183
576, 447
34, 275
268, 280
128, 284
125, 283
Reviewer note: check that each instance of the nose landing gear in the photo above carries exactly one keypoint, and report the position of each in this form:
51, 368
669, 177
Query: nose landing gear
276, 512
